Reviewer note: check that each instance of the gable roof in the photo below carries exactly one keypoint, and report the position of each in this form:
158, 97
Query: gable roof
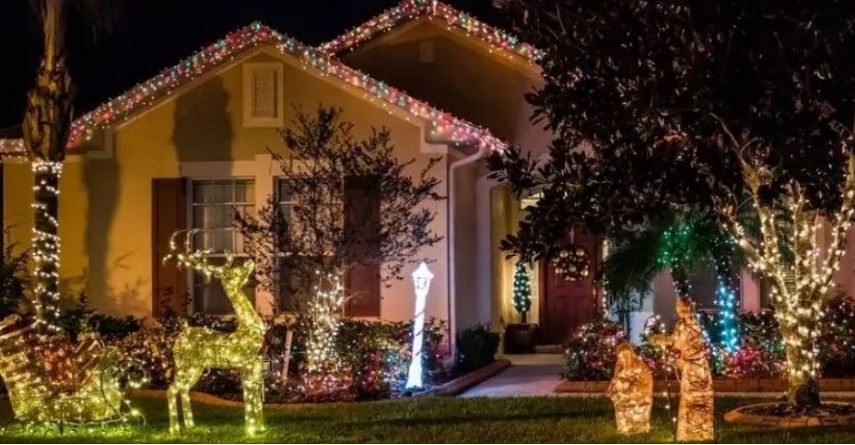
444, 125
411, 10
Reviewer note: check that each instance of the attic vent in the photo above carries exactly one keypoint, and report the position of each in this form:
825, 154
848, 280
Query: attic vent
263, 98
427, 52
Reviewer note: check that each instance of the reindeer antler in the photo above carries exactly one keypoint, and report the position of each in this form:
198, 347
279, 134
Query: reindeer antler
193, 258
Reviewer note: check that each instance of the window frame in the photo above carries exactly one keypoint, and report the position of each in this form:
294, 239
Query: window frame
216, 255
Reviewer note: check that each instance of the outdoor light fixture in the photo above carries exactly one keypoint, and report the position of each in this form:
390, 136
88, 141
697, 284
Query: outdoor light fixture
421, 282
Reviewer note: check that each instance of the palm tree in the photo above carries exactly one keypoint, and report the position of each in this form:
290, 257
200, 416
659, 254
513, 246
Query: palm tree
676, 243
46, 127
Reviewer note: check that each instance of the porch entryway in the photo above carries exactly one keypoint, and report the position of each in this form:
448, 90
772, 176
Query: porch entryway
566, 304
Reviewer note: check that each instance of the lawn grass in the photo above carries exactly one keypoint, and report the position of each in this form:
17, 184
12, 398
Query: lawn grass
429, 420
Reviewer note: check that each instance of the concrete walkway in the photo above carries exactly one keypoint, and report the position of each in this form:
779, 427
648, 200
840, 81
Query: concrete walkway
529, 375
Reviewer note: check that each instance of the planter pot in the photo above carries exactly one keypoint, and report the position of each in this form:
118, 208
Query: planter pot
520, 338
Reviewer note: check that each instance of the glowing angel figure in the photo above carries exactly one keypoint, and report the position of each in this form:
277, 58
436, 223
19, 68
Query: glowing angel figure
198, 348
631, 391
695, 416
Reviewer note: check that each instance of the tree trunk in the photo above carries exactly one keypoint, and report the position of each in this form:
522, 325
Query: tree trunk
681, 281
46, 243
46, 128
802, 388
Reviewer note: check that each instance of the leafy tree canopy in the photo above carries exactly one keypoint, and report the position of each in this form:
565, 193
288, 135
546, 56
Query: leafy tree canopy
655, 105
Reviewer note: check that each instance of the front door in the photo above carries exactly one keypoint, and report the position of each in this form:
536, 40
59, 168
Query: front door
566, 305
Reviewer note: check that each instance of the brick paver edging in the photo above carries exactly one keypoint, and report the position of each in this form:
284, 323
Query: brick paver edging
451, 388
466, 381
719, 385
739, 415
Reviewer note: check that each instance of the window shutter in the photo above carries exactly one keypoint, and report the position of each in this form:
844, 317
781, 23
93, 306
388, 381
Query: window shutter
169, 214
362, 220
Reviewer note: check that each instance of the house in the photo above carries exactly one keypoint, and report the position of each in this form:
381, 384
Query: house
173, 151
480, 73
179, 150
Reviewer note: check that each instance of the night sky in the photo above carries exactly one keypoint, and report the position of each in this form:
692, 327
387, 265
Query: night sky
149, 35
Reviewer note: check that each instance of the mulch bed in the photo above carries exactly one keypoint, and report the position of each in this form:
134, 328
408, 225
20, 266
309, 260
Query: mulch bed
781, 415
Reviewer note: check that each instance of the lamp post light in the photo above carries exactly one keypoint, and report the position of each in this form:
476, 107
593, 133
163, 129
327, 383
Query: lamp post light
421, 283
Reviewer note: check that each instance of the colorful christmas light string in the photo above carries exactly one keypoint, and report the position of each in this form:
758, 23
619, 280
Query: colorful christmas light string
444, 126
499, 41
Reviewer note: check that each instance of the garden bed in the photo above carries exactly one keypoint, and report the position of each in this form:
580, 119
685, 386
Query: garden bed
779, 415
719, 385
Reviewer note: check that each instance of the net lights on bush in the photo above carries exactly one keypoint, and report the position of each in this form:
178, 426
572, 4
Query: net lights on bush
325, 312
327, 376
421, 283
199, 348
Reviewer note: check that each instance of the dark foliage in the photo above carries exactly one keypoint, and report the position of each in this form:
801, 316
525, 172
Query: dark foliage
476, 347
354, 204
837, 342
80, 318
13, 282
650, 102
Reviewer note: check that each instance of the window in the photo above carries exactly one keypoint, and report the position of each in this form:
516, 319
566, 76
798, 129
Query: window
284, 199
286, 202
214, 205
323, 202
263, 98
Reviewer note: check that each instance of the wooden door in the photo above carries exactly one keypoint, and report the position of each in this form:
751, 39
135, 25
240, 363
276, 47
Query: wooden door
565, 305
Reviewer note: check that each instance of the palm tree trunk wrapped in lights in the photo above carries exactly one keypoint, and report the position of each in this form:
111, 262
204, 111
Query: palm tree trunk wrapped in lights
46, 128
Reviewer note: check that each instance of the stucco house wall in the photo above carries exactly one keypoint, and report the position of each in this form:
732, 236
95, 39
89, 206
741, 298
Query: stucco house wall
467, 77
198, 132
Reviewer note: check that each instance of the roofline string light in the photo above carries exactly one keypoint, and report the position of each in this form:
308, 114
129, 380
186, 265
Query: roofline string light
500, 41
445, 127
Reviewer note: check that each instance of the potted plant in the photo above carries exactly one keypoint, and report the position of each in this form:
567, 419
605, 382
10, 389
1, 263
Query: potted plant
520, 337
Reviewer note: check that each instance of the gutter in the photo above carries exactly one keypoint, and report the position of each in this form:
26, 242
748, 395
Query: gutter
483, 150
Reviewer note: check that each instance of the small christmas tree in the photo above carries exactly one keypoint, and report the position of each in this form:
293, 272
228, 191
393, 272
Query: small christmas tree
522, 290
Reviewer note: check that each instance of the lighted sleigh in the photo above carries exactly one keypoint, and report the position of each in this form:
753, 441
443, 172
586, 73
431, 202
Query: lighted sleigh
57, 380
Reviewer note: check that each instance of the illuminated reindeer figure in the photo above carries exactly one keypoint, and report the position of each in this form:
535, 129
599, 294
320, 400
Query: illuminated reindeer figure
199, 348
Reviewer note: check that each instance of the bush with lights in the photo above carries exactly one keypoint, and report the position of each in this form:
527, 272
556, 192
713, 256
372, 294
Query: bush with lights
590, 352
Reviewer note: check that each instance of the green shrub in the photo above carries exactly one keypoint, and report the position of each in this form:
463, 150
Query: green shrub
378, 354
476, 347
13, 281
590, 352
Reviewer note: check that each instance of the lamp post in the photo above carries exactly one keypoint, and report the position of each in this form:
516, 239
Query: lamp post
421, 283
